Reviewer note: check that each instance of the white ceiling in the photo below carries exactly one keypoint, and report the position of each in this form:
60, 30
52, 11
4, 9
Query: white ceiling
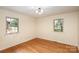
48, 10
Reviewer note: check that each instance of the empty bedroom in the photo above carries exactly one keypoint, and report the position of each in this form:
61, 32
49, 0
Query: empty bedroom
39, 29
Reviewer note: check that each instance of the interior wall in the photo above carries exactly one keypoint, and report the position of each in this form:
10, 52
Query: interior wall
70, 34
78, 31
26, 29
30, 28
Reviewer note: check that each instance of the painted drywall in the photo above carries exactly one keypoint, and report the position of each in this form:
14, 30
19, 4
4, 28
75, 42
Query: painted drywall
78, 31
70, 34
30, 28
26, 29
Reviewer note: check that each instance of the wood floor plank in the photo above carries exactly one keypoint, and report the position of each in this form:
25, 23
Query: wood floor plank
38, 45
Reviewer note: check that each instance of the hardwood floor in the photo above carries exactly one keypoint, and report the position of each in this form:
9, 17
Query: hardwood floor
41, 46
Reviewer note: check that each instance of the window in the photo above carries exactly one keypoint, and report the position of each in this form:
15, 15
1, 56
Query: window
12, 25
58, 25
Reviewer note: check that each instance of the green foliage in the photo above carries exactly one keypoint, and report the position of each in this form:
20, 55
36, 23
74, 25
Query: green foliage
14, 23
58, 25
